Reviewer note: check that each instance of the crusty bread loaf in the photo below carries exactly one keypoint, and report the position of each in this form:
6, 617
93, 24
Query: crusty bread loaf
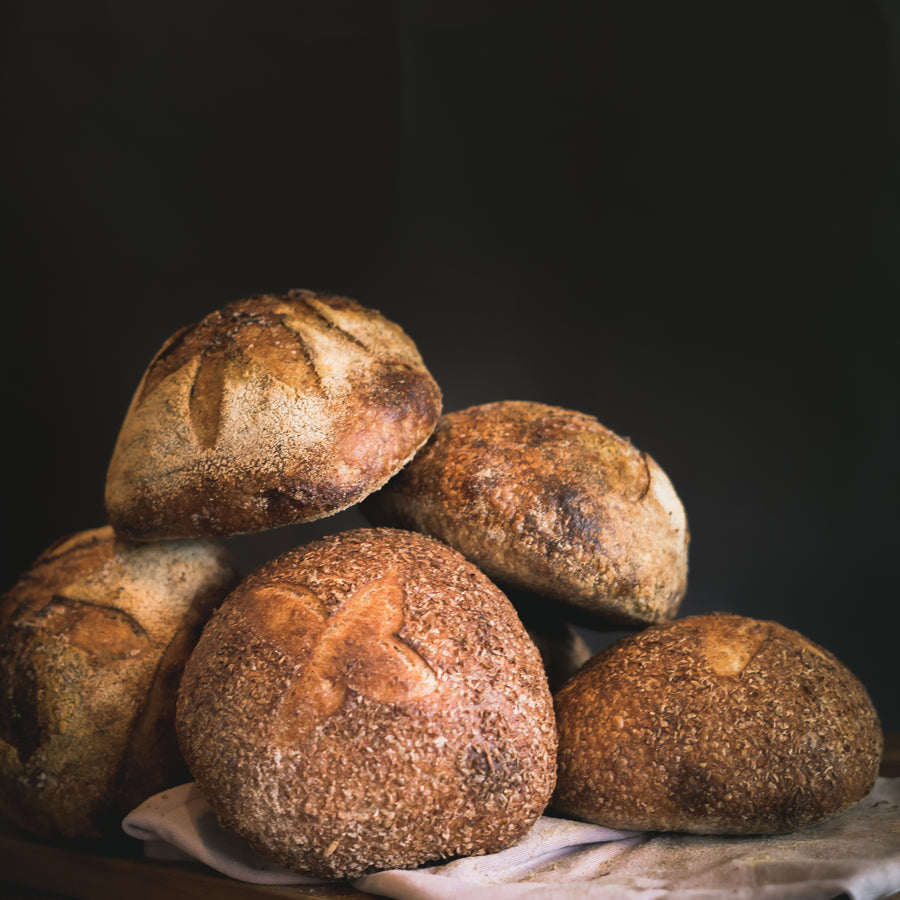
714, 724
550, 501
93, 639
369, 701
272, 410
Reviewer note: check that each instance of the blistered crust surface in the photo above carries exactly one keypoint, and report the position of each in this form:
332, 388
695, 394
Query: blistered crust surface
93, 639
275, 409
714, 725
550, 501
366, 702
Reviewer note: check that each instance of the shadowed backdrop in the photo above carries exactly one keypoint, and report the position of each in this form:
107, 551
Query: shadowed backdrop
679, 218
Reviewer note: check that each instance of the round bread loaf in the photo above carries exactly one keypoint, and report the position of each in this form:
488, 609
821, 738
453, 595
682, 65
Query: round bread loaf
715, 724
550, 501
368, 701
93, 639
270, 411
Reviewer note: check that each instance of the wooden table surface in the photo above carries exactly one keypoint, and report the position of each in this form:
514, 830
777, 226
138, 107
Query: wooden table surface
30, 870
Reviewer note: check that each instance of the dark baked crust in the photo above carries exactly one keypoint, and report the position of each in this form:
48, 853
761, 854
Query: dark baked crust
93, 639
273, 410
369, 701
550, 501
714, 724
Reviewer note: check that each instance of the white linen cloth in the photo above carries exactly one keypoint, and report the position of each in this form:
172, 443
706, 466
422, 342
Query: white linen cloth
855, 854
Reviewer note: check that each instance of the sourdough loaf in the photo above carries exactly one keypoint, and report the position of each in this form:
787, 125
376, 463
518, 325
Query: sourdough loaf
273, 410
368, 701
93, 639
550, 501
715, 724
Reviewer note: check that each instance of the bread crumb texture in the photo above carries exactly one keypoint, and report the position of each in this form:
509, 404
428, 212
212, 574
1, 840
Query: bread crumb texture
550, 501
273, 410
93, 640
716, 724
369, 701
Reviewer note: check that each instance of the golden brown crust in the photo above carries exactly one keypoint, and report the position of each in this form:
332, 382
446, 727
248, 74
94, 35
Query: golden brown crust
93, 639
369, 701
272, 410
550, 501
714, 724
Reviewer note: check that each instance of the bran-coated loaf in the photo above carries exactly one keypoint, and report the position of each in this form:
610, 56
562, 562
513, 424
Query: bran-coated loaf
369, 701
714, 724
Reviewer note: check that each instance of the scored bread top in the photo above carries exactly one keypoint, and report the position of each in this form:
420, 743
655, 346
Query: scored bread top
550, 501
273, 410
714, 724
92, 642
370, 700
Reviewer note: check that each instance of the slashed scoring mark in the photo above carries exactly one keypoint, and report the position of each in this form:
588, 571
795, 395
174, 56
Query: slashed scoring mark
356, 648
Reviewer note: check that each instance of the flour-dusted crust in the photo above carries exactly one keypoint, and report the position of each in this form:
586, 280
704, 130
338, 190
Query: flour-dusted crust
93, 639
715, 724
368, 701
270, 411
550, 501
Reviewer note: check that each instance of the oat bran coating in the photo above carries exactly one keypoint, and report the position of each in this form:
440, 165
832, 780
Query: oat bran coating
369, 701
716, 724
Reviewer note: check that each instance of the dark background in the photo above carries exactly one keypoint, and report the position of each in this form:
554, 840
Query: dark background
681, 218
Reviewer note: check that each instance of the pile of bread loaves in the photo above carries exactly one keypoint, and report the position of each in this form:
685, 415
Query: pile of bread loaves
372, 699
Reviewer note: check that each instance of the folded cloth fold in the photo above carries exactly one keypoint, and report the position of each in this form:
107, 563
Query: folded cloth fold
180, 819
856, 854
